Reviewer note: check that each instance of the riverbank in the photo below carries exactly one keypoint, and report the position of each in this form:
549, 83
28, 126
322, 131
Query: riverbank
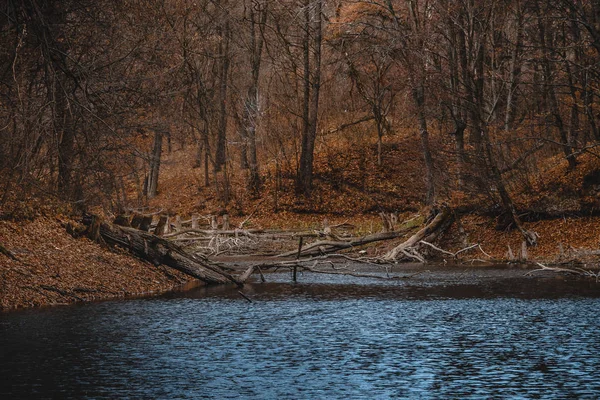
50, 267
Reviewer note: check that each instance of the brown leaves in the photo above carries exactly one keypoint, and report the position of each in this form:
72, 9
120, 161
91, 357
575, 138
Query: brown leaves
54, 268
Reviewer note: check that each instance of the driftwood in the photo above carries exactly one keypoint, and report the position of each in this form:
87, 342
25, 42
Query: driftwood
177, 223
225, 226
389, 221
195, 221
141, 222
204, 232
159, 252
331, 246
574, 271
428, 234
407, 249
302, 264
455, 254
247, 273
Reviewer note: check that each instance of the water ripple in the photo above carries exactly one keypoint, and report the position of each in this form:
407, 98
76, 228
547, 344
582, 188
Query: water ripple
306, 344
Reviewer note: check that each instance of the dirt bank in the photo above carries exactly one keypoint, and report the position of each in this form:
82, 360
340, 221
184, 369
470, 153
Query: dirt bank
50, 267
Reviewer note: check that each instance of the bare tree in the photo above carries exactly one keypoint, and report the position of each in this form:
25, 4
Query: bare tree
311, 46
257, 18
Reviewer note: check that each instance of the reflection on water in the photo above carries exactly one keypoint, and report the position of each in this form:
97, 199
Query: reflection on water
334, 340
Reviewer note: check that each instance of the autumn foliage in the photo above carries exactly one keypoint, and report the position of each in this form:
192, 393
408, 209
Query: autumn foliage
290, 111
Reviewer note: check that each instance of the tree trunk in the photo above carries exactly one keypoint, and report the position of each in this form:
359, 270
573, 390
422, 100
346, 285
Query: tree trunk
199, 151
549, 90
154, 165
331, 246
515, 72
312, 84
206, 158
160, 251
220, 155
468, 81
507, 203
379, 121
419, 99
251, 105
66, 156
456, 108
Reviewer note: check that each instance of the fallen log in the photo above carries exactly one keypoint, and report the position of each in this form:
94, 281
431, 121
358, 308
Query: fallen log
205, 232
160, 252
334, 271
331, 246
428, 234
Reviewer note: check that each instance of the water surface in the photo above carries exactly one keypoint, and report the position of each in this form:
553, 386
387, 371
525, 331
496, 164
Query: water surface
324, 337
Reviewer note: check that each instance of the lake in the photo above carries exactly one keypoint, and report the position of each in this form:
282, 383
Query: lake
467, 334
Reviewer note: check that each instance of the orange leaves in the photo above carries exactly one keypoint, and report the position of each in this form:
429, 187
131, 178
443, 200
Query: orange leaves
356, 11
54, 268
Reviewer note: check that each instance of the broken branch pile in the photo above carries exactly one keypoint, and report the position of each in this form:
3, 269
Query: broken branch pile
165, 250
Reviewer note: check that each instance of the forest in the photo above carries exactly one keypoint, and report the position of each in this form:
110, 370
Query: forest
340, 108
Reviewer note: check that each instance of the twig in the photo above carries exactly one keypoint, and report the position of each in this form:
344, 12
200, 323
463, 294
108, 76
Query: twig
241, 225
484, 253
244, 296
414, 255
467, 249
207, 232
437, 248
8, 253
262, 276
458, 252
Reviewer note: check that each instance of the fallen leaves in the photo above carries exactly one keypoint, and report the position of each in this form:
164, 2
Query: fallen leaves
51, 267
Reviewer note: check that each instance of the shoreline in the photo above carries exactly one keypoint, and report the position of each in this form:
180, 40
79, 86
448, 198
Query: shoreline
52, 268
408, 282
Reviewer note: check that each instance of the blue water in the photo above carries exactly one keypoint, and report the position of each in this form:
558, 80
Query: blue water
305, 341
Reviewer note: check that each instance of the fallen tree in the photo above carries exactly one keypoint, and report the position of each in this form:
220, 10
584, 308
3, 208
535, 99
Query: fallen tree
331, 246
159, 251
442, 220
408, 249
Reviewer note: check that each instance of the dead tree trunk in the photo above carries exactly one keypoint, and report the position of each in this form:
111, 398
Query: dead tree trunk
331, 246
160, 226
441, 221
258, 16
162, 252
